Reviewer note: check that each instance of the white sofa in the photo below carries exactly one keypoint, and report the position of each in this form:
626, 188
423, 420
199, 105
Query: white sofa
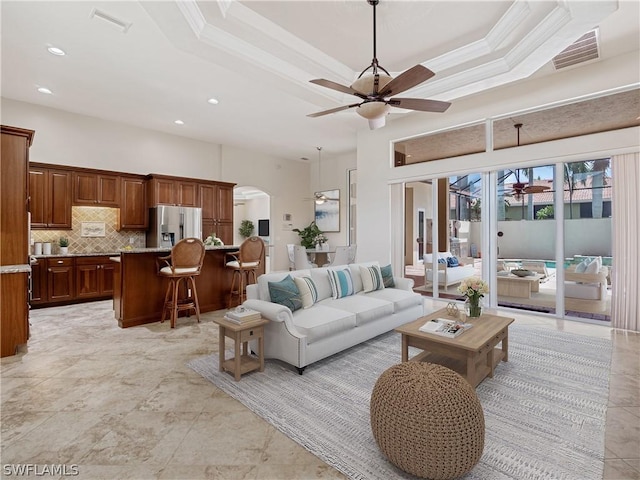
586, 291
330, 325
447, 275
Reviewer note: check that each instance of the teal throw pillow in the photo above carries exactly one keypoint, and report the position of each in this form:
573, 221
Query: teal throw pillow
387, 276
286, 293
341, 283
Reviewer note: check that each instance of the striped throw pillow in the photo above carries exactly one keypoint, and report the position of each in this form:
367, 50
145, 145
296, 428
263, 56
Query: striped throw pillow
308, 291
371, 278
341, 283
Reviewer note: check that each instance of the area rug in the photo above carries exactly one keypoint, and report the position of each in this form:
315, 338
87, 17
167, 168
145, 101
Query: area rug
544, 409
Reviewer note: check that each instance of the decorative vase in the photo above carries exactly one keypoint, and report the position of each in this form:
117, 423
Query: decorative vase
473, 307
64, 250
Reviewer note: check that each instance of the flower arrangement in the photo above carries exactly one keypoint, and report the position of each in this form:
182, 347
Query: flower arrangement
214, 241
320, 239
474, 288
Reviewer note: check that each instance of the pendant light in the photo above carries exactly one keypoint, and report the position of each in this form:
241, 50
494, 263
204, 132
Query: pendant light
320, 198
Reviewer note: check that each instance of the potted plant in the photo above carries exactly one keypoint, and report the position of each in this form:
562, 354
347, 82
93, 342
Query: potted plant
246, 228
64, 245
309, 235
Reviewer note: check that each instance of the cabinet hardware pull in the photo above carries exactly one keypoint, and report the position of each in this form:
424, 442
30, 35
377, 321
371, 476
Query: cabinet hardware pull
60, 261
48, 269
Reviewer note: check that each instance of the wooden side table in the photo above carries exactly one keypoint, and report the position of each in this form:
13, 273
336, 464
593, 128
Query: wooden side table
243, 361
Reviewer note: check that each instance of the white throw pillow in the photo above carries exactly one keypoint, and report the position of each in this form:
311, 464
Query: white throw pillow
308, 291
371, 278
593, 267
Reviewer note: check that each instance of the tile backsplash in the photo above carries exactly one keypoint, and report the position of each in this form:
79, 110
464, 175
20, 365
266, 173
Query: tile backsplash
113, 240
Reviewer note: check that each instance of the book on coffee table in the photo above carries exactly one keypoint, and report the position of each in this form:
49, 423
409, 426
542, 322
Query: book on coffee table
444, 327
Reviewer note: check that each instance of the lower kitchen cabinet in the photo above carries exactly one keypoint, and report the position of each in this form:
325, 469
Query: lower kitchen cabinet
64, 280
94, 277
14, 312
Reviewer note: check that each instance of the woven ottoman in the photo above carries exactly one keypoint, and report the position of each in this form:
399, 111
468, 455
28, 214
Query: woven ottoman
427, 420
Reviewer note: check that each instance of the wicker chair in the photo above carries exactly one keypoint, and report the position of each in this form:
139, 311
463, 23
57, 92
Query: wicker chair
246, 262
184, 263
427, 420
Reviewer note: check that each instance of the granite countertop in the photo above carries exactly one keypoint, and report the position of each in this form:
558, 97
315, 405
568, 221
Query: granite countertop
24, 268
168, 249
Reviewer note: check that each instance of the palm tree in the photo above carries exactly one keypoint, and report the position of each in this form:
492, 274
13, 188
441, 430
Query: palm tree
598, 168
574, 173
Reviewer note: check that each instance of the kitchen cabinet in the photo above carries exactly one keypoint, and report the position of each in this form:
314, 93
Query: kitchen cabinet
50, 202
14, 311
164, 190
133, 203
14, 185
96, 189
94, 277
60, 279
38, 281
14, 237
217, 210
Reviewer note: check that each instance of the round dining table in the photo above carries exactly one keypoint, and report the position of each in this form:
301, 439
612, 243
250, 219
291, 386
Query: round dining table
320, 256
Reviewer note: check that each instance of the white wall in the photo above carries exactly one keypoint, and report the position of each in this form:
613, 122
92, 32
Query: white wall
64, 138
375, 171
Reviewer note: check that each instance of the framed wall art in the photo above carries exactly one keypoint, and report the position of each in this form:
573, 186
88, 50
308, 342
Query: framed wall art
327, 206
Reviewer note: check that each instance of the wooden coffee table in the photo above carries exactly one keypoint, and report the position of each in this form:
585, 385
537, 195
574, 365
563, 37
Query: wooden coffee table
514, 286
472, 354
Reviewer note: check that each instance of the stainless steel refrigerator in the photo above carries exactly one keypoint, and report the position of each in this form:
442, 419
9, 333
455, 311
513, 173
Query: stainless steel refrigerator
169, 224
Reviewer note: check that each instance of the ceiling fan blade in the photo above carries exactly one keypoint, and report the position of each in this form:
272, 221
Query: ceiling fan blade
535, 189
336, 86
420, 104
333, 110
412, 77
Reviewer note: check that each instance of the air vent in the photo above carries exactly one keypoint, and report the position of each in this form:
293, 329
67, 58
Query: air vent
582, 50
121, 24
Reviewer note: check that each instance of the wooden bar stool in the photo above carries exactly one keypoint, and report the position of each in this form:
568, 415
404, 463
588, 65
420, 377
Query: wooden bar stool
246, 262
184, 263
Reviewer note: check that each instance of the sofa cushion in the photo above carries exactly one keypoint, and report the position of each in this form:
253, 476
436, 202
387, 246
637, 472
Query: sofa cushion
401, 299
308, 291
371, 278
341, 282
321, 322
387, 276
593, 267
285, 293
584, 291
365, 307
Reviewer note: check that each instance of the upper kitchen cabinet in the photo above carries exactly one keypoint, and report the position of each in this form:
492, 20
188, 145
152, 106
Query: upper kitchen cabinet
14, 185
163, 190
216, 200
96, 189
50, 192
133, 203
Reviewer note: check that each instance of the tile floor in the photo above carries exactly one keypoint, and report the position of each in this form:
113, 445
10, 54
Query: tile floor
122, 403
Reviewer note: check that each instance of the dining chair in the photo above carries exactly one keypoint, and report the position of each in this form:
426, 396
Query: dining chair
352, 253
184, 263
301, 260
341, 257
290, 252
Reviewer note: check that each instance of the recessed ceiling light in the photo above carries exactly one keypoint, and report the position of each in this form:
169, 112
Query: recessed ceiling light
45, 90
213, 101
179, 122
56, 51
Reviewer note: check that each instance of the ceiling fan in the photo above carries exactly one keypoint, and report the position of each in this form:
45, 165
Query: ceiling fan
519, 188
374, 88
319, 197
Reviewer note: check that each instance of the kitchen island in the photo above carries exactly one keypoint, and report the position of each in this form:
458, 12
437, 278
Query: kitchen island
139, 292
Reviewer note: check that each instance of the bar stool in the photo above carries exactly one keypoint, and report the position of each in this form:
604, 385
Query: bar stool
246, 262
184, 263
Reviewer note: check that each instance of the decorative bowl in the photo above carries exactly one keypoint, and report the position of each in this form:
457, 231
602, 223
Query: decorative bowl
520, 272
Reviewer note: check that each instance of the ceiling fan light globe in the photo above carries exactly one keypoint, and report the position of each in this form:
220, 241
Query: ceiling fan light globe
364, 84
373, 110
